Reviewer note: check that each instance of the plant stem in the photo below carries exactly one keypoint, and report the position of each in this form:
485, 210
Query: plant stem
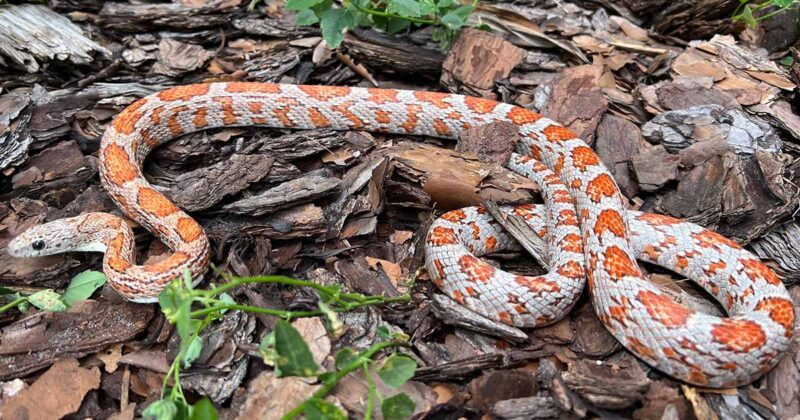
392, 15
371, 390
16, 302
356, 364
255, 309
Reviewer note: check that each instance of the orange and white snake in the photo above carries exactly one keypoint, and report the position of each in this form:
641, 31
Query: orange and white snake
590, 234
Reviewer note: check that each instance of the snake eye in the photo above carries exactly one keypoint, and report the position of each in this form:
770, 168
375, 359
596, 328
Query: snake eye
38, 245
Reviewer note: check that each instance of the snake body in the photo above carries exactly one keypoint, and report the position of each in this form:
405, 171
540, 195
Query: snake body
584, 221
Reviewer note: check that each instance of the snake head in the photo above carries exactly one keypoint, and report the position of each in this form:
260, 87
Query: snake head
88, 232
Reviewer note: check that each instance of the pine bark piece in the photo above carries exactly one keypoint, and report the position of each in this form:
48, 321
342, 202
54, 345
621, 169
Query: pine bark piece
205, 187
576, 100
31, 34
36, 341
307, 188
143, 17
455, 181
391, 54
476, 60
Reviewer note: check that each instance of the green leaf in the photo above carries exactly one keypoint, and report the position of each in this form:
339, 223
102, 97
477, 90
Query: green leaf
344, 357
406, 8
783, 3
397, 369
192, 351
383, 333
318, 409
160, 410
398, 407
301, 4
396, 25
47, 300
294, 357
203, 410
747, 16
787, 61
82, 286
305, 18
267, 349
333, 23
428, 7
446, 3
176, 303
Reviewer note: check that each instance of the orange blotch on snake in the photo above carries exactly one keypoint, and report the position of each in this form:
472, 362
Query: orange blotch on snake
715, 267
255, 107
559, 166
537, 284
382, 96
200, 120
317, 118
601, 186
557, 133
344, 109
610, 221
116, 244
441, 235
454, 216
472, 292
780, 310
118, 264
476, 230
571, 270
152, 202
709, 239
658, 219
438, 279
567, 217
479, 105
521, 116
324, 93
228, 113
382, 116
412, 118
490, 244
252, 87
571, 242
576, 183
756, 270
119, 167
155, 115
475, 269
441, 128
458, 296
174, 123
433, 98
619, 312
127, 119
619, 265
663, 309
739, 335
638, 347
583, 157
175, 260
536, 152
183, 93
504, 317
188, 229
561, 196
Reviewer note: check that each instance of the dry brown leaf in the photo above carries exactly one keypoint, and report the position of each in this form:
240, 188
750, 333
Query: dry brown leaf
57, 393
392, 270
110, 357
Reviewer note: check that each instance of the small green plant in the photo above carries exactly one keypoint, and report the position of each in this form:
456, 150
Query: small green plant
192, 310
391, 16
748, 11
80, 288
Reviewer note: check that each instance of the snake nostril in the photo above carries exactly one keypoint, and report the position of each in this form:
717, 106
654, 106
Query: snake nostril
38, 245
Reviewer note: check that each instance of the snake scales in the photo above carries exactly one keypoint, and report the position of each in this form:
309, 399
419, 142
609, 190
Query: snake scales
592, 239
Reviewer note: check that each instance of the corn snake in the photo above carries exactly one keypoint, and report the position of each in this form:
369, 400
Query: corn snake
585, 222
